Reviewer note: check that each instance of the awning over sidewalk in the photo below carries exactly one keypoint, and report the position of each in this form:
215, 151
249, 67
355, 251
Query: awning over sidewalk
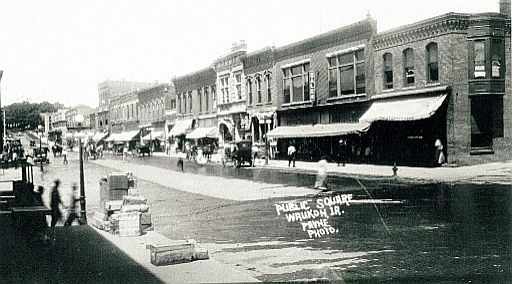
123, 136
204, 132
404, 109
99, 136
181, 127
317, 130
154, 135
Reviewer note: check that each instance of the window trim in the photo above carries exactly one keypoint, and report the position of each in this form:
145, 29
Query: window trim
304, 75
429, 64
405, 68
338, 66
387, 85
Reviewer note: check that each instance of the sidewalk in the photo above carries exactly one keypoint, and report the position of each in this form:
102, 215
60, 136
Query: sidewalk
83, 254
499, 172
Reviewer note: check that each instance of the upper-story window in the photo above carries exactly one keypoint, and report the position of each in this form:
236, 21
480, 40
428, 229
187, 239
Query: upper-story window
184, 102
296, 83
190, 101
347, 74
224, 88
214, 95
479, 50
249, 91
408, 66
200, 97
258, 90
173, 103
238, 81
432, 64
269, 94
388, 71
206, 99
497, 48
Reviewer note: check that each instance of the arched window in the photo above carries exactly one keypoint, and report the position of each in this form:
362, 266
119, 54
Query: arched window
432, 62
388, 71
408, 66
249, 91
269, 94
258, 89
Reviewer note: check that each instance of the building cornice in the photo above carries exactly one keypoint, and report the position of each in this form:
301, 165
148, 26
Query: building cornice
447, 23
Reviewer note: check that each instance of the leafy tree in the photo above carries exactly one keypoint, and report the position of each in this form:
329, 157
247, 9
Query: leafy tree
26, 114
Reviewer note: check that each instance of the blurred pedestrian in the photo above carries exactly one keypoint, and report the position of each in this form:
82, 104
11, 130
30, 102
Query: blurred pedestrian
65, 155
321, 176
72, 216
38, 196
342, 152
255, 151
291, 155
125, 152
439, 155
54, 203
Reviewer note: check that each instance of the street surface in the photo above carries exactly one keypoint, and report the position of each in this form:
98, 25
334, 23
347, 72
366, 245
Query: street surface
389, 231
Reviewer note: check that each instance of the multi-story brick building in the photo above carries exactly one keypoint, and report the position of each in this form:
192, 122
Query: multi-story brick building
124, 119
322, 86
231, 95
153, 102
443, 78
261, 93
110, 89
195, 108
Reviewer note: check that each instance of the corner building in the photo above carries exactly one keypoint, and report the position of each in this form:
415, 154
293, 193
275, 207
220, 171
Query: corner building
443, 78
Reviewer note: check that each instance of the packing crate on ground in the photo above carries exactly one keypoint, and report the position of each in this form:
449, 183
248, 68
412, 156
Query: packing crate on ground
134, 200
176, 252
135, 208
117, 180
129, 224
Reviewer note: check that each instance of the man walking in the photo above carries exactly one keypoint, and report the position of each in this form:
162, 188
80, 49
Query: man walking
54, 203
291, 155
72, 207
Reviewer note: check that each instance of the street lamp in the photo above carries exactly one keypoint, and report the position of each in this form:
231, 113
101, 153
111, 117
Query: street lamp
40, 130
79, 119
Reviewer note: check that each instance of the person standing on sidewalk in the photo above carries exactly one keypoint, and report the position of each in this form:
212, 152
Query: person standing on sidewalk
291, 155
65, 154
342, 152
55, 201
254, 151
125, 152
439, 156
72, 216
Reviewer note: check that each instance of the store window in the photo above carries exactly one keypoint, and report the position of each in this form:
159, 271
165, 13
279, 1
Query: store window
432, 64
388, 71
479, 50
347, 74
497, 48
296, 83
408, 66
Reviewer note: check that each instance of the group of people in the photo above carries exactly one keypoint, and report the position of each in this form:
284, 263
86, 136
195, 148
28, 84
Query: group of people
56, 201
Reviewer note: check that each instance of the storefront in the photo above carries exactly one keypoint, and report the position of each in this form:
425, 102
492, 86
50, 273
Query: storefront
404, 130
178, 133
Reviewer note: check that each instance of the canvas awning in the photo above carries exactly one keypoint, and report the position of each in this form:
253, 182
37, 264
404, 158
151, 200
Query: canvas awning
204, 132
317, 130
154, 135
123, 136
181, 127
99, 136
404, 109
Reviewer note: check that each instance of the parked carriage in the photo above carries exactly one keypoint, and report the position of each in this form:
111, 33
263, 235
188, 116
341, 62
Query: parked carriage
238, 153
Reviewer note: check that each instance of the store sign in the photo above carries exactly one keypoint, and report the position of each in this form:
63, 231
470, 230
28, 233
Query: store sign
312, 86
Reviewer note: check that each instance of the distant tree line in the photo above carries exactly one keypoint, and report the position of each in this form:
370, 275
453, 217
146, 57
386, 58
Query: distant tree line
27, 115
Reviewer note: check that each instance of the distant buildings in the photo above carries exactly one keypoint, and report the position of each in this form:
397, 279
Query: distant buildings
388, 97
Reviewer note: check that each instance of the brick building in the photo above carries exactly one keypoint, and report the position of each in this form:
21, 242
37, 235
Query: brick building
260, 93
110, 89
451, 70
231, 102
196, 116
153, 102
323, 84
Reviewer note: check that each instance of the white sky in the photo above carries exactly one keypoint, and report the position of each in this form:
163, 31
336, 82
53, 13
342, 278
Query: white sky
59, 50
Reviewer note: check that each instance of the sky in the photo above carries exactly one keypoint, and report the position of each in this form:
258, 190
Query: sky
59, 50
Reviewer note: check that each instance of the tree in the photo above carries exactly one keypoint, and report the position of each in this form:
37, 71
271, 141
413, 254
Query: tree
27, 115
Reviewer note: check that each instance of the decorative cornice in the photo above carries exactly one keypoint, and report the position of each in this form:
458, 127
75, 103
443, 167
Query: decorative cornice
447, 23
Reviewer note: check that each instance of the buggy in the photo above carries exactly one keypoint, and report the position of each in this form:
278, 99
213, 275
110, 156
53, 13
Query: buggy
239, 153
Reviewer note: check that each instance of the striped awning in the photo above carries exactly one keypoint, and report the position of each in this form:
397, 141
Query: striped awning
403, 109
317, 130
204, 132
154, 135
123, 136
181, 127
